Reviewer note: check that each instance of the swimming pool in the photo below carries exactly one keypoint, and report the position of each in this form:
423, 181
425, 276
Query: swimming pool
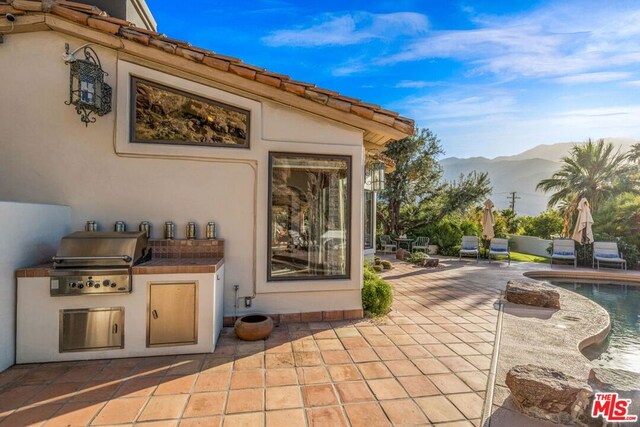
621, 349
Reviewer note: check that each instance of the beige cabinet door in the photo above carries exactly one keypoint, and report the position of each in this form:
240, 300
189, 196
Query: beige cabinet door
173, 314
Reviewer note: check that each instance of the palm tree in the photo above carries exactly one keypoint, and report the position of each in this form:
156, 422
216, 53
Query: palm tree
593, 170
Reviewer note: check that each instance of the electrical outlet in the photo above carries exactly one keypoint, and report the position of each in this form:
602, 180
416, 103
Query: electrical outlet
247, 301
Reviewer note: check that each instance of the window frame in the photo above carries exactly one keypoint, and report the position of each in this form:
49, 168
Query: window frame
348, 159
371, 212
133, 82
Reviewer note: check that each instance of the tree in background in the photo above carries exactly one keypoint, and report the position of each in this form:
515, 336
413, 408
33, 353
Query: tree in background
415, 194
546, 225
594, 170
511, 221
417, 175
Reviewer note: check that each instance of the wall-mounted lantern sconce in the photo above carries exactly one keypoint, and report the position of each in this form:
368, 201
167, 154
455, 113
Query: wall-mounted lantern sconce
375, 171
87, 90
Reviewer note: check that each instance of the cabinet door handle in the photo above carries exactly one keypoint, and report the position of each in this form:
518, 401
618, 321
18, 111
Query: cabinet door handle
155, 314
114, 330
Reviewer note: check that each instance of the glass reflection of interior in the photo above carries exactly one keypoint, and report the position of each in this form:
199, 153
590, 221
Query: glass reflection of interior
309, 217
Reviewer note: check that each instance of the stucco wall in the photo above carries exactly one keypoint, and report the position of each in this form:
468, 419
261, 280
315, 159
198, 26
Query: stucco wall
530, 245
30, 234
48, 155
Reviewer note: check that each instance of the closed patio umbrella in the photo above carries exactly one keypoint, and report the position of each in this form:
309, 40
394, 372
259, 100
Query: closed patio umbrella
583, 233
487, 220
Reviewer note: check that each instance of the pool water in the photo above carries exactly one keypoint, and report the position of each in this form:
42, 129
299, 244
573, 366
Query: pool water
621, 349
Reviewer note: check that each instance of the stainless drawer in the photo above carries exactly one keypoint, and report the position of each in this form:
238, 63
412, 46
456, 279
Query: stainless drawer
90, 329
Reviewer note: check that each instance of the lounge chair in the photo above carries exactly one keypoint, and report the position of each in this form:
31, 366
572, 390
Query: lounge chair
499, 247
607, 252
564, 249
470, 247
387, 244
421, 244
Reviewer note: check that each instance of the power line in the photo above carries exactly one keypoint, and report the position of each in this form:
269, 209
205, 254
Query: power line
513, 197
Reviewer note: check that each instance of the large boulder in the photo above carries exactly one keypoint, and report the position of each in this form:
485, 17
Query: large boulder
430, 262
532, 293
549, 394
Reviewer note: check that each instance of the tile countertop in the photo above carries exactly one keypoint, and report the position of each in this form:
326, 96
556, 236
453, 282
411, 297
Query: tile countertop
154, 266
179, 265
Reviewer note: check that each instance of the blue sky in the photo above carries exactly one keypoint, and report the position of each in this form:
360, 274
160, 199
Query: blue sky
488, 77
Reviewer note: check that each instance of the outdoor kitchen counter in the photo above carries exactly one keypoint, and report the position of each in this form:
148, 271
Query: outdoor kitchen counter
179, 265
41, 270
154, 266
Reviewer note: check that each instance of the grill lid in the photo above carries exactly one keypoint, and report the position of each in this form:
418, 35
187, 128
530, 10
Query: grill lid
100, 249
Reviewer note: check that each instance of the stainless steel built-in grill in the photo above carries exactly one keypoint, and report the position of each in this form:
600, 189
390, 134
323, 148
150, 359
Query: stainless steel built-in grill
93, 262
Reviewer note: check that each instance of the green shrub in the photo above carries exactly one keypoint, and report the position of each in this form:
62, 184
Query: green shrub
377, 295
386, 264
447, 233
417, 257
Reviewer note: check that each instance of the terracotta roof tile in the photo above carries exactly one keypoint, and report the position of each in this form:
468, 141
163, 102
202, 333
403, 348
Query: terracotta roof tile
102, 25
276, 75
27, 5
133, 35
242, 71
116, 21
216, 63
163, 45
70, 14
6, 9
176, 41
293, 88
269, 80
318, 97
226, 58
362, 111
93, 17
190, 54
339, 104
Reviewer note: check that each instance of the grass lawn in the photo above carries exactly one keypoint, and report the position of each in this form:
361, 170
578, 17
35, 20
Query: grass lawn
517, 256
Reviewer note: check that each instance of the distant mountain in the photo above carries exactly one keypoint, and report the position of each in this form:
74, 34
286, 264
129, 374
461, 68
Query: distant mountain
520, 173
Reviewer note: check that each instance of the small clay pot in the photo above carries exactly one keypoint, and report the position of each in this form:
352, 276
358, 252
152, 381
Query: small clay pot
254, 327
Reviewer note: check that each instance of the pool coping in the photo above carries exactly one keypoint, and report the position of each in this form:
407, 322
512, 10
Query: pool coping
596, 336
630, 277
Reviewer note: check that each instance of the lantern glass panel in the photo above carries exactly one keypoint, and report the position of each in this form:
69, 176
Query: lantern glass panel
377, 176
88, 89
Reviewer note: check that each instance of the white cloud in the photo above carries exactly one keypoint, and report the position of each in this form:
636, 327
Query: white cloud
460, 108
350, 29
600, 77
568, 39
416, 84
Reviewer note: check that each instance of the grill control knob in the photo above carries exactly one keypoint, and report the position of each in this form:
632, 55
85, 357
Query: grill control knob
72, 284
113, 285
106, 282
90, 283
80, 286
97, 285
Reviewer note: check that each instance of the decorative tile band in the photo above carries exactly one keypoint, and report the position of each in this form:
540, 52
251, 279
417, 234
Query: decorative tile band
187, 248
312, 316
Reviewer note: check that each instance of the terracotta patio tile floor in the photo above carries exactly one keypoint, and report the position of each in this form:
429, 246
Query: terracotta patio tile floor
426, 363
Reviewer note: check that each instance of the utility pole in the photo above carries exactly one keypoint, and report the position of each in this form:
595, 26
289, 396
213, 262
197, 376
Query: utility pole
513, 197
